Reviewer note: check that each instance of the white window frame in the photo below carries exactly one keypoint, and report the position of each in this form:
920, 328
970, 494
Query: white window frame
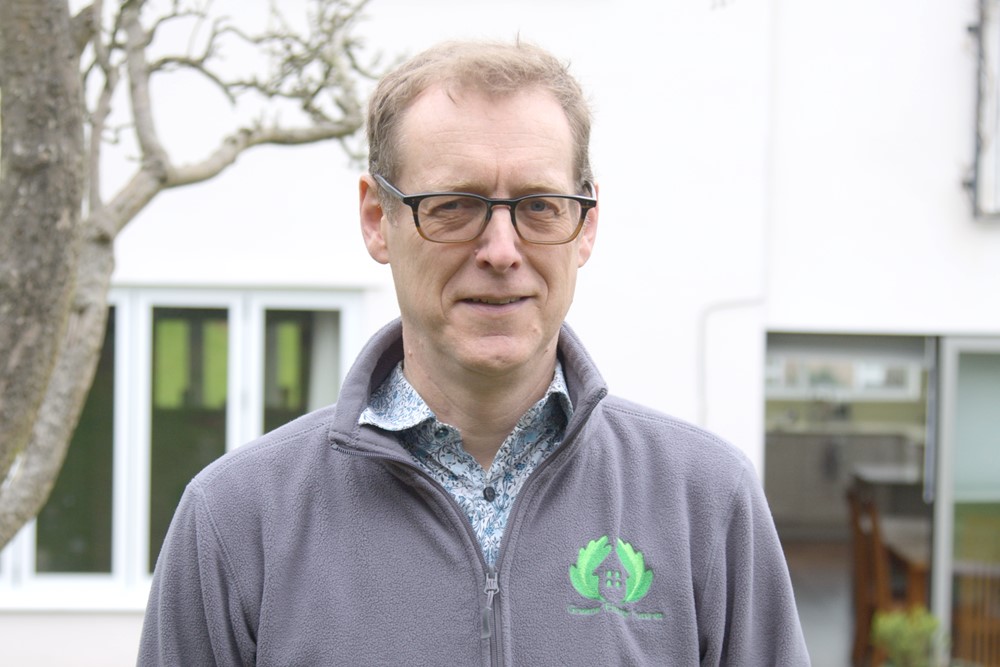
126, 588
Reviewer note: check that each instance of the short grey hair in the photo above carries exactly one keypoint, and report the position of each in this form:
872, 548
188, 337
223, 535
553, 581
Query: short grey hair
489, 67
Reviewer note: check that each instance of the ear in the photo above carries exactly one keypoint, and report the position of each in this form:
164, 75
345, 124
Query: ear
372, 218
585, 242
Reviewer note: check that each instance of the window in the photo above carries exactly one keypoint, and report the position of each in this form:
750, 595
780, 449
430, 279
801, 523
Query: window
297, 343
188, 410
74, 527
184, 376
845, 368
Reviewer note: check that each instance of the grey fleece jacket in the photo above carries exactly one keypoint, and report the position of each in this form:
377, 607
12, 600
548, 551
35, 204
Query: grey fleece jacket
641, 541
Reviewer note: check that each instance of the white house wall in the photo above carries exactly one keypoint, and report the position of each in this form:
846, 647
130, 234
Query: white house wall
871, 229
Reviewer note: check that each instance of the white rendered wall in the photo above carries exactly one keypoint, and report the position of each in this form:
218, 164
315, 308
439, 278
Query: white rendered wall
871, 228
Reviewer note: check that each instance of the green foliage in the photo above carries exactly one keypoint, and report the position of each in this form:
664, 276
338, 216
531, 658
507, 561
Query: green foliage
589, 559
908, 637
639, 578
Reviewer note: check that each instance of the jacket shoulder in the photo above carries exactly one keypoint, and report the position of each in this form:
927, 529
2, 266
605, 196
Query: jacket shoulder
274, 455
664, 440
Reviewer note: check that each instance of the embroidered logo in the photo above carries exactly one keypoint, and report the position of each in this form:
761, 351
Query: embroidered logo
613, 588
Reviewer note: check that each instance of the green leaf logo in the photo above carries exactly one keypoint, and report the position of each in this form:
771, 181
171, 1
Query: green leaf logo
639, 578
589, 559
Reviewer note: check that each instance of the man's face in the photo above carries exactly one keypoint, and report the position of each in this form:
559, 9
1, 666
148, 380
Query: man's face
492, 305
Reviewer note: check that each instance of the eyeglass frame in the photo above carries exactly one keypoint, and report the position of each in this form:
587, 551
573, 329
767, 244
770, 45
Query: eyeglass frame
413, 201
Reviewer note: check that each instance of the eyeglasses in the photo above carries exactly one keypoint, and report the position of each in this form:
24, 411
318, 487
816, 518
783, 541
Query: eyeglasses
457, 217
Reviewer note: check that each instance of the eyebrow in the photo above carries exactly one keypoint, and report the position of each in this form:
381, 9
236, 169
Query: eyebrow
471, 187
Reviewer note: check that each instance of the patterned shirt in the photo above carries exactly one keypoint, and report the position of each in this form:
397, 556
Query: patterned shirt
486, 496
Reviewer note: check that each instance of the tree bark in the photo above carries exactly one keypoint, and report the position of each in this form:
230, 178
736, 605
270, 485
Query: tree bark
41, 189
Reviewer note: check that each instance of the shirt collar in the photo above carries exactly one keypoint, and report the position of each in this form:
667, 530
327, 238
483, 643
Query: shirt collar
396, 405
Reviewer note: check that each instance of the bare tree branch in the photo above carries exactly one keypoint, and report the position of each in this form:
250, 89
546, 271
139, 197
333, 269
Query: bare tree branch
230, 149
154, 156
83, 26
98, 118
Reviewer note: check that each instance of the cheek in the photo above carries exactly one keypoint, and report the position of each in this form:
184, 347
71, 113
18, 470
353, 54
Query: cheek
566, 290
423, 279
562, 274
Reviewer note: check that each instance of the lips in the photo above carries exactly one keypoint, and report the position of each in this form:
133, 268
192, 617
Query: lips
494, 301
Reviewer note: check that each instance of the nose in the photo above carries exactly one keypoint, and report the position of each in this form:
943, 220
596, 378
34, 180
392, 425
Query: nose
499, 247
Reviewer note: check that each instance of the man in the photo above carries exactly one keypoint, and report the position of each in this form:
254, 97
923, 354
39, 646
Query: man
475, 497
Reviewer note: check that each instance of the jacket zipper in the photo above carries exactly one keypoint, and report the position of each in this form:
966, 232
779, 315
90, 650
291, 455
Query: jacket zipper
491, 589
491, 628
489, 625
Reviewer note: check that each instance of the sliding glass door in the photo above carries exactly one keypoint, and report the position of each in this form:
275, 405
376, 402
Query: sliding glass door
966, 573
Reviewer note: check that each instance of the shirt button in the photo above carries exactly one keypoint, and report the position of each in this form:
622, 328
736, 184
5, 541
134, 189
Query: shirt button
489, 493
441, 432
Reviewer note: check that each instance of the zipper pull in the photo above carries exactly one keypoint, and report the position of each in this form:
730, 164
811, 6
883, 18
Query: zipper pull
492, 588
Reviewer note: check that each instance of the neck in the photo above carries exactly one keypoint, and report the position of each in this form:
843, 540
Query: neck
484, 408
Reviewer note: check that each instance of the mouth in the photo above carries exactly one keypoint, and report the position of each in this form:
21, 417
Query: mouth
494, 301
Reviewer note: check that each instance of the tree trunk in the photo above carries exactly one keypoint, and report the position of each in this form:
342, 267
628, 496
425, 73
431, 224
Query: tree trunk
41, 189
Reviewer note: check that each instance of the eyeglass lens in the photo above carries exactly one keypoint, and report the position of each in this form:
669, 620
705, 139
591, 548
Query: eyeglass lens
453, 218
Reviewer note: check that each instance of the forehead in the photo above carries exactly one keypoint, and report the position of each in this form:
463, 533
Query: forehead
450, 136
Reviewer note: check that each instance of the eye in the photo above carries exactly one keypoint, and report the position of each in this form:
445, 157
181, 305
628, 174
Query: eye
542, 207
449, 206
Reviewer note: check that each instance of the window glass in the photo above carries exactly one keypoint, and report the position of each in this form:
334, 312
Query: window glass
74, 528
189, 395
300, 363
976, 508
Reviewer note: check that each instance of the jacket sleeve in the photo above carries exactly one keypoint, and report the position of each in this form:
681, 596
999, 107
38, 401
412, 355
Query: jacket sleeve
194, 615
748, 607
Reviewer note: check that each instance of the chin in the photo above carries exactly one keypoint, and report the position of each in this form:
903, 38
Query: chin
494, 357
